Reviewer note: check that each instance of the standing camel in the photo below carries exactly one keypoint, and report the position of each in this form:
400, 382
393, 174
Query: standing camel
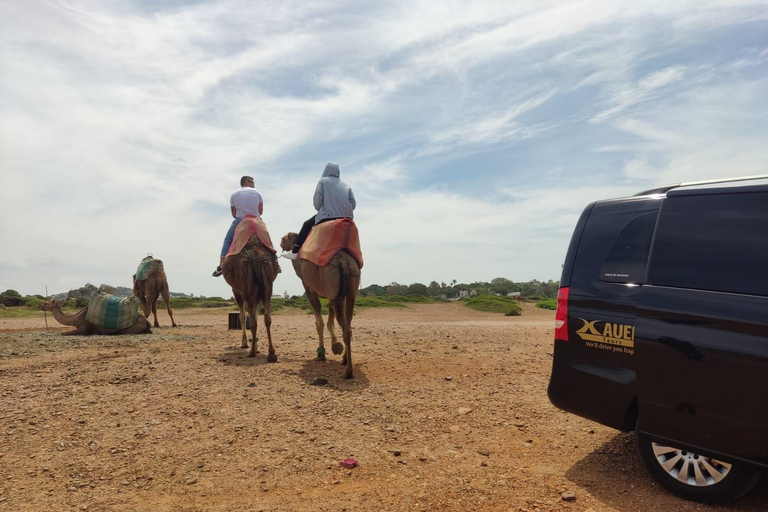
83, 327
151, 286
250, 273
338, 282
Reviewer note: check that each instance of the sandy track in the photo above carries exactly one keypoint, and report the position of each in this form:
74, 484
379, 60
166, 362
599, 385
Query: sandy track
447, 411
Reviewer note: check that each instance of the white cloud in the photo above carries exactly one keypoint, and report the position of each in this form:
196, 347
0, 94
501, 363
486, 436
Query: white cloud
124, 127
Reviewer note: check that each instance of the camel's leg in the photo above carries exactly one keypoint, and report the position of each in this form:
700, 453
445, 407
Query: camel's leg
314, 301
165, 292
252, 309
83, 329
336, 347
152, 295
239, 300
266, 300
272, 357
330, 325
346, 329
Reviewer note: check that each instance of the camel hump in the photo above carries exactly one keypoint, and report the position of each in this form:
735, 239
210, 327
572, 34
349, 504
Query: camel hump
147, 266
328, 238
112, 312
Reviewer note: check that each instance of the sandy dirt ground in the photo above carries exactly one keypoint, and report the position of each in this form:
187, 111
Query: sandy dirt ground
447, 411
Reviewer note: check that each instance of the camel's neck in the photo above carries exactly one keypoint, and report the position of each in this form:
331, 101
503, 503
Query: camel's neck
65, 319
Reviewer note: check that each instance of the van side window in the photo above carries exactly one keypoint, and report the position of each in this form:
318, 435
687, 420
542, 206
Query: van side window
628, 258
713, 242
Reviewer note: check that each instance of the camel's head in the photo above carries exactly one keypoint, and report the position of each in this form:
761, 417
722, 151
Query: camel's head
288, 241
50, 304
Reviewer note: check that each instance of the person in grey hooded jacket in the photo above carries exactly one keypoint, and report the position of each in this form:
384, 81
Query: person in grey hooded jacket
333, 200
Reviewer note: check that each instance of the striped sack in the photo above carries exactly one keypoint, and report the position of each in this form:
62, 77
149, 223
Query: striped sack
112, 312
330, 237
250, 225
147, 266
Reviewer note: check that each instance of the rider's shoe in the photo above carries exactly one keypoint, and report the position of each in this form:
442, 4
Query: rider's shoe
290, 255
217, 272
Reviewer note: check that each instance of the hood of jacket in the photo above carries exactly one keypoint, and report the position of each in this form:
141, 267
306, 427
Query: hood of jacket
331, 171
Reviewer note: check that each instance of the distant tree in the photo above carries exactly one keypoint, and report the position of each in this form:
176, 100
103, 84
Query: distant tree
11, 298
395, 288
416, 289
434, 290
373, 289
502, 286
107, 289
83, 292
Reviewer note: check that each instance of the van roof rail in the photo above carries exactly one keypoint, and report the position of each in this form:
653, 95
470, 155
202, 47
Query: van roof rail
666, 188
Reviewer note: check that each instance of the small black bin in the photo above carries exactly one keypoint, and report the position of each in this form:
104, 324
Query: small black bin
234, 321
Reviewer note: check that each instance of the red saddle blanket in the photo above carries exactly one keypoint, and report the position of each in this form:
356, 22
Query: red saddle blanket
250, 225
330, 237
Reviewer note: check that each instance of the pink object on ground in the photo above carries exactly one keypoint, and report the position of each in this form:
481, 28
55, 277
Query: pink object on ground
250, 225
349, 463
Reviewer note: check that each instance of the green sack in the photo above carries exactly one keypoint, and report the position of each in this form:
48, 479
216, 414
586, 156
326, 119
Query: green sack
147, 266
112, 312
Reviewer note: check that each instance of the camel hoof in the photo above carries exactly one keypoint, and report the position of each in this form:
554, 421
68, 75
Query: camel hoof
321, 358
271, 358
337, 348
349, 375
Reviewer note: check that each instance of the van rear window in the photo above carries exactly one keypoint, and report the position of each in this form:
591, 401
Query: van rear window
627, 259
713, 242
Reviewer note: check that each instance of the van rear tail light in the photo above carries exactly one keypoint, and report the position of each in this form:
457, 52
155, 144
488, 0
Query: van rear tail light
561, 315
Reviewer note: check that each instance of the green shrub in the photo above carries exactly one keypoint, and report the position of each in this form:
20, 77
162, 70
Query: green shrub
494, 304
547, 304
373, 301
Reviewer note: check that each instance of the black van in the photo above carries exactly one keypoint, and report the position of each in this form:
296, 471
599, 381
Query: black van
662, 328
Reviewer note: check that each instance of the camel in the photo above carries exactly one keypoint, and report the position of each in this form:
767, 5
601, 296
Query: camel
84, 327
148, 290
251, 273
338, 282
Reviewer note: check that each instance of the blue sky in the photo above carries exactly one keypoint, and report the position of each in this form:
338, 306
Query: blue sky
473, 133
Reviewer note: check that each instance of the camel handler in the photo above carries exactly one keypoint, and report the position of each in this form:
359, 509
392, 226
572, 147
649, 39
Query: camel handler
333, 200
244, 201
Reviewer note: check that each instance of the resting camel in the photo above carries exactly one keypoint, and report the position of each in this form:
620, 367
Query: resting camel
83, 327
148, 290
338, 282
251, 273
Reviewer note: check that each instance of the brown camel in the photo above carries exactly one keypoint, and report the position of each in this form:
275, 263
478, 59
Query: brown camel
251, 273
83, 327
148, 290
338, 282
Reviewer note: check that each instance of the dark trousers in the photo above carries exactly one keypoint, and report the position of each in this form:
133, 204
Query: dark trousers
304, 232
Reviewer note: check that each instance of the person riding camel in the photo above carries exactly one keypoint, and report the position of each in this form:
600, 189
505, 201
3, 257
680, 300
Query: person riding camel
244, 201
333, 200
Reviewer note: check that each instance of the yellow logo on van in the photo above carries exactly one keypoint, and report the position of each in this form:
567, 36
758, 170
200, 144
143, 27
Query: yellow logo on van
613, 334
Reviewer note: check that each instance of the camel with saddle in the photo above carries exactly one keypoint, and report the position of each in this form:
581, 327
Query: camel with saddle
329, 266
250, 268
105, 314
149, 283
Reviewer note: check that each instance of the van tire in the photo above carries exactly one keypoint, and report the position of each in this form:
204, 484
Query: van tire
737, 480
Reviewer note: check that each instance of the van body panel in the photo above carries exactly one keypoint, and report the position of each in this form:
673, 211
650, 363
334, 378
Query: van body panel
703, 373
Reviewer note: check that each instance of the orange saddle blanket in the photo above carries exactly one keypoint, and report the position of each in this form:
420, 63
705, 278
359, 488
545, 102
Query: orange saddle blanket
250, 225
330, 237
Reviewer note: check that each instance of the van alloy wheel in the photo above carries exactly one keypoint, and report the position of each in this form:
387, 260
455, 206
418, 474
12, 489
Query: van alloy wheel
690, 468
694, 476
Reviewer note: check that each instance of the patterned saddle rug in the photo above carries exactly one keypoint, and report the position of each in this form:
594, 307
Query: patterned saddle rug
330, 237
250, 225
112, 312
147, 266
